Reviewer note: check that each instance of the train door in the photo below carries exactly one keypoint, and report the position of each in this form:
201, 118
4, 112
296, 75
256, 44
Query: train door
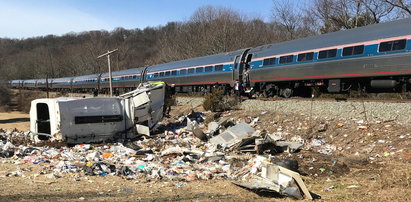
143, 74
236, 68
43, 120
239, 65
247, 69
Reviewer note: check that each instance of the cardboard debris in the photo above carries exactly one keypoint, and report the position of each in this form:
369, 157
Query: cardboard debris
278, 179
291, 147
233, 135
213, 127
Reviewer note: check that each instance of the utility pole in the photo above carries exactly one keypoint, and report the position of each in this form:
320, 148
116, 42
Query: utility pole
109, 68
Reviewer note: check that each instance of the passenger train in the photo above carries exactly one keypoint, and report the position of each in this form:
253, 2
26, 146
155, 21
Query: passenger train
375, 57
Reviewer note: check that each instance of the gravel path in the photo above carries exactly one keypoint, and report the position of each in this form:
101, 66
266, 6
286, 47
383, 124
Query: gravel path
399, 113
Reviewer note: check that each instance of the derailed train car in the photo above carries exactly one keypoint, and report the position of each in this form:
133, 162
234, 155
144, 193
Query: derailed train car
373, 58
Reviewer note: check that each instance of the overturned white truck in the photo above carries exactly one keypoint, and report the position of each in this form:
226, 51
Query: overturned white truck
86, 120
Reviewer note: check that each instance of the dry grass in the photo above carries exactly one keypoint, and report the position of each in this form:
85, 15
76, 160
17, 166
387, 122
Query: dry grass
387, 182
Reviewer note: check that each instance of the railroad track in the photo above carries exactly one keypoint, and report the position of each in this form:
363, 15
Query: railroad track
390, 98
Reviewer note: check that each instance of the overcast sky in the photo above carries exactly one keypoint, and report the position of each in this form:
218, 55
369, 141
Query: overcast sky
30, 18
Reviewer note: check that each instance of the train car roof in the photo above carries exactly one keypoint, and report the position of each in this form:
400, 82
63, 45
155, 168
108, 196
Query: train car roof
63, 79
30, 81
367, 33
90, 76
199, 61
137, 70
41, 80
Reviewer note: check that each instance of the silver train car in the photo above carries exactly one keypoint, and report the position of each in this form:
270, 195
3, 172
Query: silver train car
124, 80
371, 58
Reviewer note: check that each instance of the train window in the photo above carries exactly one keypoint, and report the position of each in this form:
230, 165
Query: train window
286, 59
218, 68
174, 72
327, 54
353, 50
358, 50
161, 73
208, 69
199, 69
155, 75
135, 77
191, 71
305, 56
183, 71
269, 61
399, 45
168, 73
392, 45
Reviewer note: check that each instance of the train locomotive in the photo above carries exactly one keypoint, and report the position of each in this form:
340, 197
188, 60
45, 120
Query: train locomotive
371, 58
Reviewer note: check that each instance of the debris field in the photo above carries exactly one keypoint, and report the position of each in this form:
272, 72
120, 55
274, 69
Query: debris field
232, 155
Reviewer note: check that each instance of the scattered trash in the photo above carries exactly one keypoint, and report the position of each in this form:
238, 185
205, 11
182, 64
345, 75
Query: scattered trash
330, 188
362, 127
185, 153
352, 186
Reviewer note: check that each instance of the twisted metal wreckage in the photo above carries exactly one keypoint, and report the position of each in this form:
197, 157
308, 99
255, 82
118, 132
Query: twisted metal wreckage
86, 120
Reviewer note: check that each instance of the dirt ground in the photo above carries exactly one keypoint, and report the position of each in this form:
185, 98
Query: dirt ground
368, 164
14, 120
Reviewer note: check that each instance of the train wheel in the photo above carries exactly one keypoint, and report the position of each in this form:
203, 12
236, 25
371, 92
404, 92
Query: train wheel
268, 93
315, 92
287, 92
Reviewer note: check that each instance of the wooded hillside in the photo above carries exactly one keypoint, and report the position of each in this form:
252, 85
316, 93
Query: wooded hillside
210, 30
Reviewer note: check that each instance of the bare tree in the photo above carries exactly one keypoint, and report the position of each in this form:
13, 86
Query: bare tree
334, 15
403, 5
289, 19
378, 9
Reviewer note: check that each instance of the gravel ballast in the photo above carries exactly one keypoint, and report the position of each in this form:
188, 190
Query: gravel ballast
399, 113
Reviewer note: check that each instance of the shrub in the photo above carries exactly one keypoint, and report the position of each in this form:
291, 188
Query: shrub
4, 95
216, 101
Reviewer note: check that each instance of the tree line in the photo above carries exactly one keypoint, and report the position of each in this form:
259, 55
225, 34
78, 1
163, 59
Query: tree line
209, 30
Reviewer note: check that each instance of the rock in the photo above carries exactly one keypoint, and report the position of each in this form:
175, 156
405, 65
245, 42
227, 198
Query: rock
322, 127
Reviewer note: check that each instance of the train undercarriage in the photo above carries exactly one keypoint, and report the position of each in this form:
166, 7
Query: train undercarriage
315, 88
